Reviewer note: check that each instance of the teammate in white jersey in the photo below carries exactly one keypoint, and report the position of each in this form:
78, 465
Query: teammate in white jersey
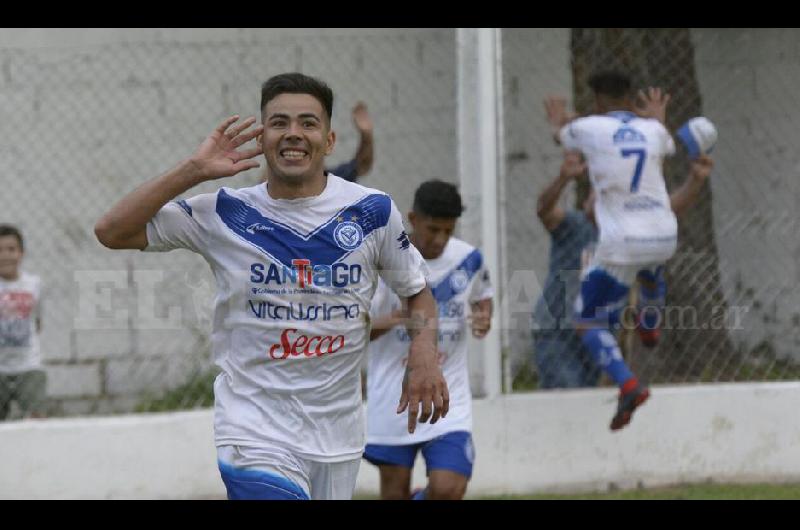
638, 230
460, 284
296, 263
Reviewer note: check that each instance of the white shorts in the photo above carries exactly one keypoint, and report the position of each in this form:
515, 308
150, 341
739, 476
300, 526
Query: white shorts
319, 480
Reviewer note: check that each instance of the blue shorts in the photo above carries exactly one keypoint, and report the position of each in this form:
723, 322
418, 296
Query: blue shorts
251, 484
453, 451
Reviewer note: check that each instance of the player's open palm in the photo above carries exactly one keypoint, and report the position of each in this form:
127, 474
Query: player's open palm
653, 104
425, 388
219, 154
361, 117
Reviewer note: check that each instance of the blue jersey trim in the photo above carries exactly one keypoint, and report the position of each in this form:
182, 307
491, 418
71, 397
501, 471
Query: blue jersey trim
444, 291
240, 483
283, 243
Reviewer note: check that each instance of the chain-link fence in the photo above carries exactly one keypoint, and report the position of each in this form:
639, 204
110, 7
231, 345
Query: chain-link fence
90, 114
732, 297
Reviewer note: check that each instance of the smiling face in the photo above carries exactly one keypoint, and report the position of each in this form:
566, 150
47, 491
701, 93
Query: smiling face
297, 138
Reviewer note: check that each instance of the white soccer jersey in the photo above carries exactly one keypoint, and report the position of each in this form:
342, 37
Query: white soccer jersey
625, 156
20, 307
294, 284
457, 278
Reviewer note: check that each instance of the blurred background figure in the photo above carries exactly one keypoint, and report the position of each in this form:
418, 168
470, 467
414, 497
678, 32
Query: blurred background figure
22, 379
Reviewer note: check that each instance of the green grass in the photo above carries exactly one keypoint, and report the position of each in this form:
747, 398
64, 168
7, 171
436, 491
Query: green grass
682, 492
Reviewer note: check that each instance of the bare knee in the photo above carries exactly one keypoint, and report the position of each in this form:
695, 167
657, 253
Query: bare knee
395, 483
446, 486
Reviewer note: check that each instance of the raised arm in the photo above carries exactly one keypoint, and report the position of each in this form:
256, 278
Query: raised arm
550, 213
682, 199
365, 155
423, 382
124, 226
557, 115
653, 104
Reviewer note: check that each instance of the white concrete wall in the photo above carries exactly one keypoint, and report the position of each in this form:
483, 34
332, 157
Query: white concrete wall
547, 441
89, 114
748, 80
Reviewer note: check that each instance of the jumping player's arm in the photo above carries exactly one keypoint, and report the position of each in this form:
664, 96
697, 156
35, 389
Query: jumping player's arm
124, 226
653, 104
404, 270
547, 208
682, 199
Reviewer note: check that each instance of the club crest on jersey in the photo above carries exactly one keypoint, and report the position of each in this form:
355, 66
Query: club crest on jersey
459, 280
348, 235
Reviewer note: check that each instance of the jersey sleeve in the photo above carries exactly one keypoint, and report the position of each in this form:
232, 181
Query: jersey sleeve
179, 224
383, 301
400, 264
481, 285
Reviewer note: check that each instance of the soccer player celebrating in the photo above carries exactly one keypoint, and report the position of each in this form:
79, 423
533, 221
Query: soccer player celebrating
638, 228
296, 261
460, 281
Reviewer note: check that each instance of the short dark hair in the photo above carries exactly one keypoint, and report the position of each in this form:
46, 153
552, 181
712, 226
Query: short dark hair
297, 83
611, 83
437, 198
11, 230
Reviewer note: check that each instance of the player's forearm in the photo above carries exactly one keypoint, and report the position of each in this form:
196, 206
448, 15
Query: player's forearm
549, 197
365, 153
422, 326
382, 325
132, 213
682, 199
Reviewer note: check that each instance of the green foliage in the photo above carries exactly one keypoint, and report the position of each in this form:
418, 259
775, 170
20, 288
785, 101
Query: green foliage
197, 392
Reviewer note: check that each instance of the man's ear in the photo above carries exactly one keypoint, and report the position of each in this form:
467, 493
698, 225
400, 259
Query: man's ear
330, 143
260, 141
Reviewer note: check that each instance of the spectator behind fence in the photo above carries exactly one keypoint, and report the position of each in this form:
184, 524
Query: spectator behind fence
559, 355
361, 164
21, 376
